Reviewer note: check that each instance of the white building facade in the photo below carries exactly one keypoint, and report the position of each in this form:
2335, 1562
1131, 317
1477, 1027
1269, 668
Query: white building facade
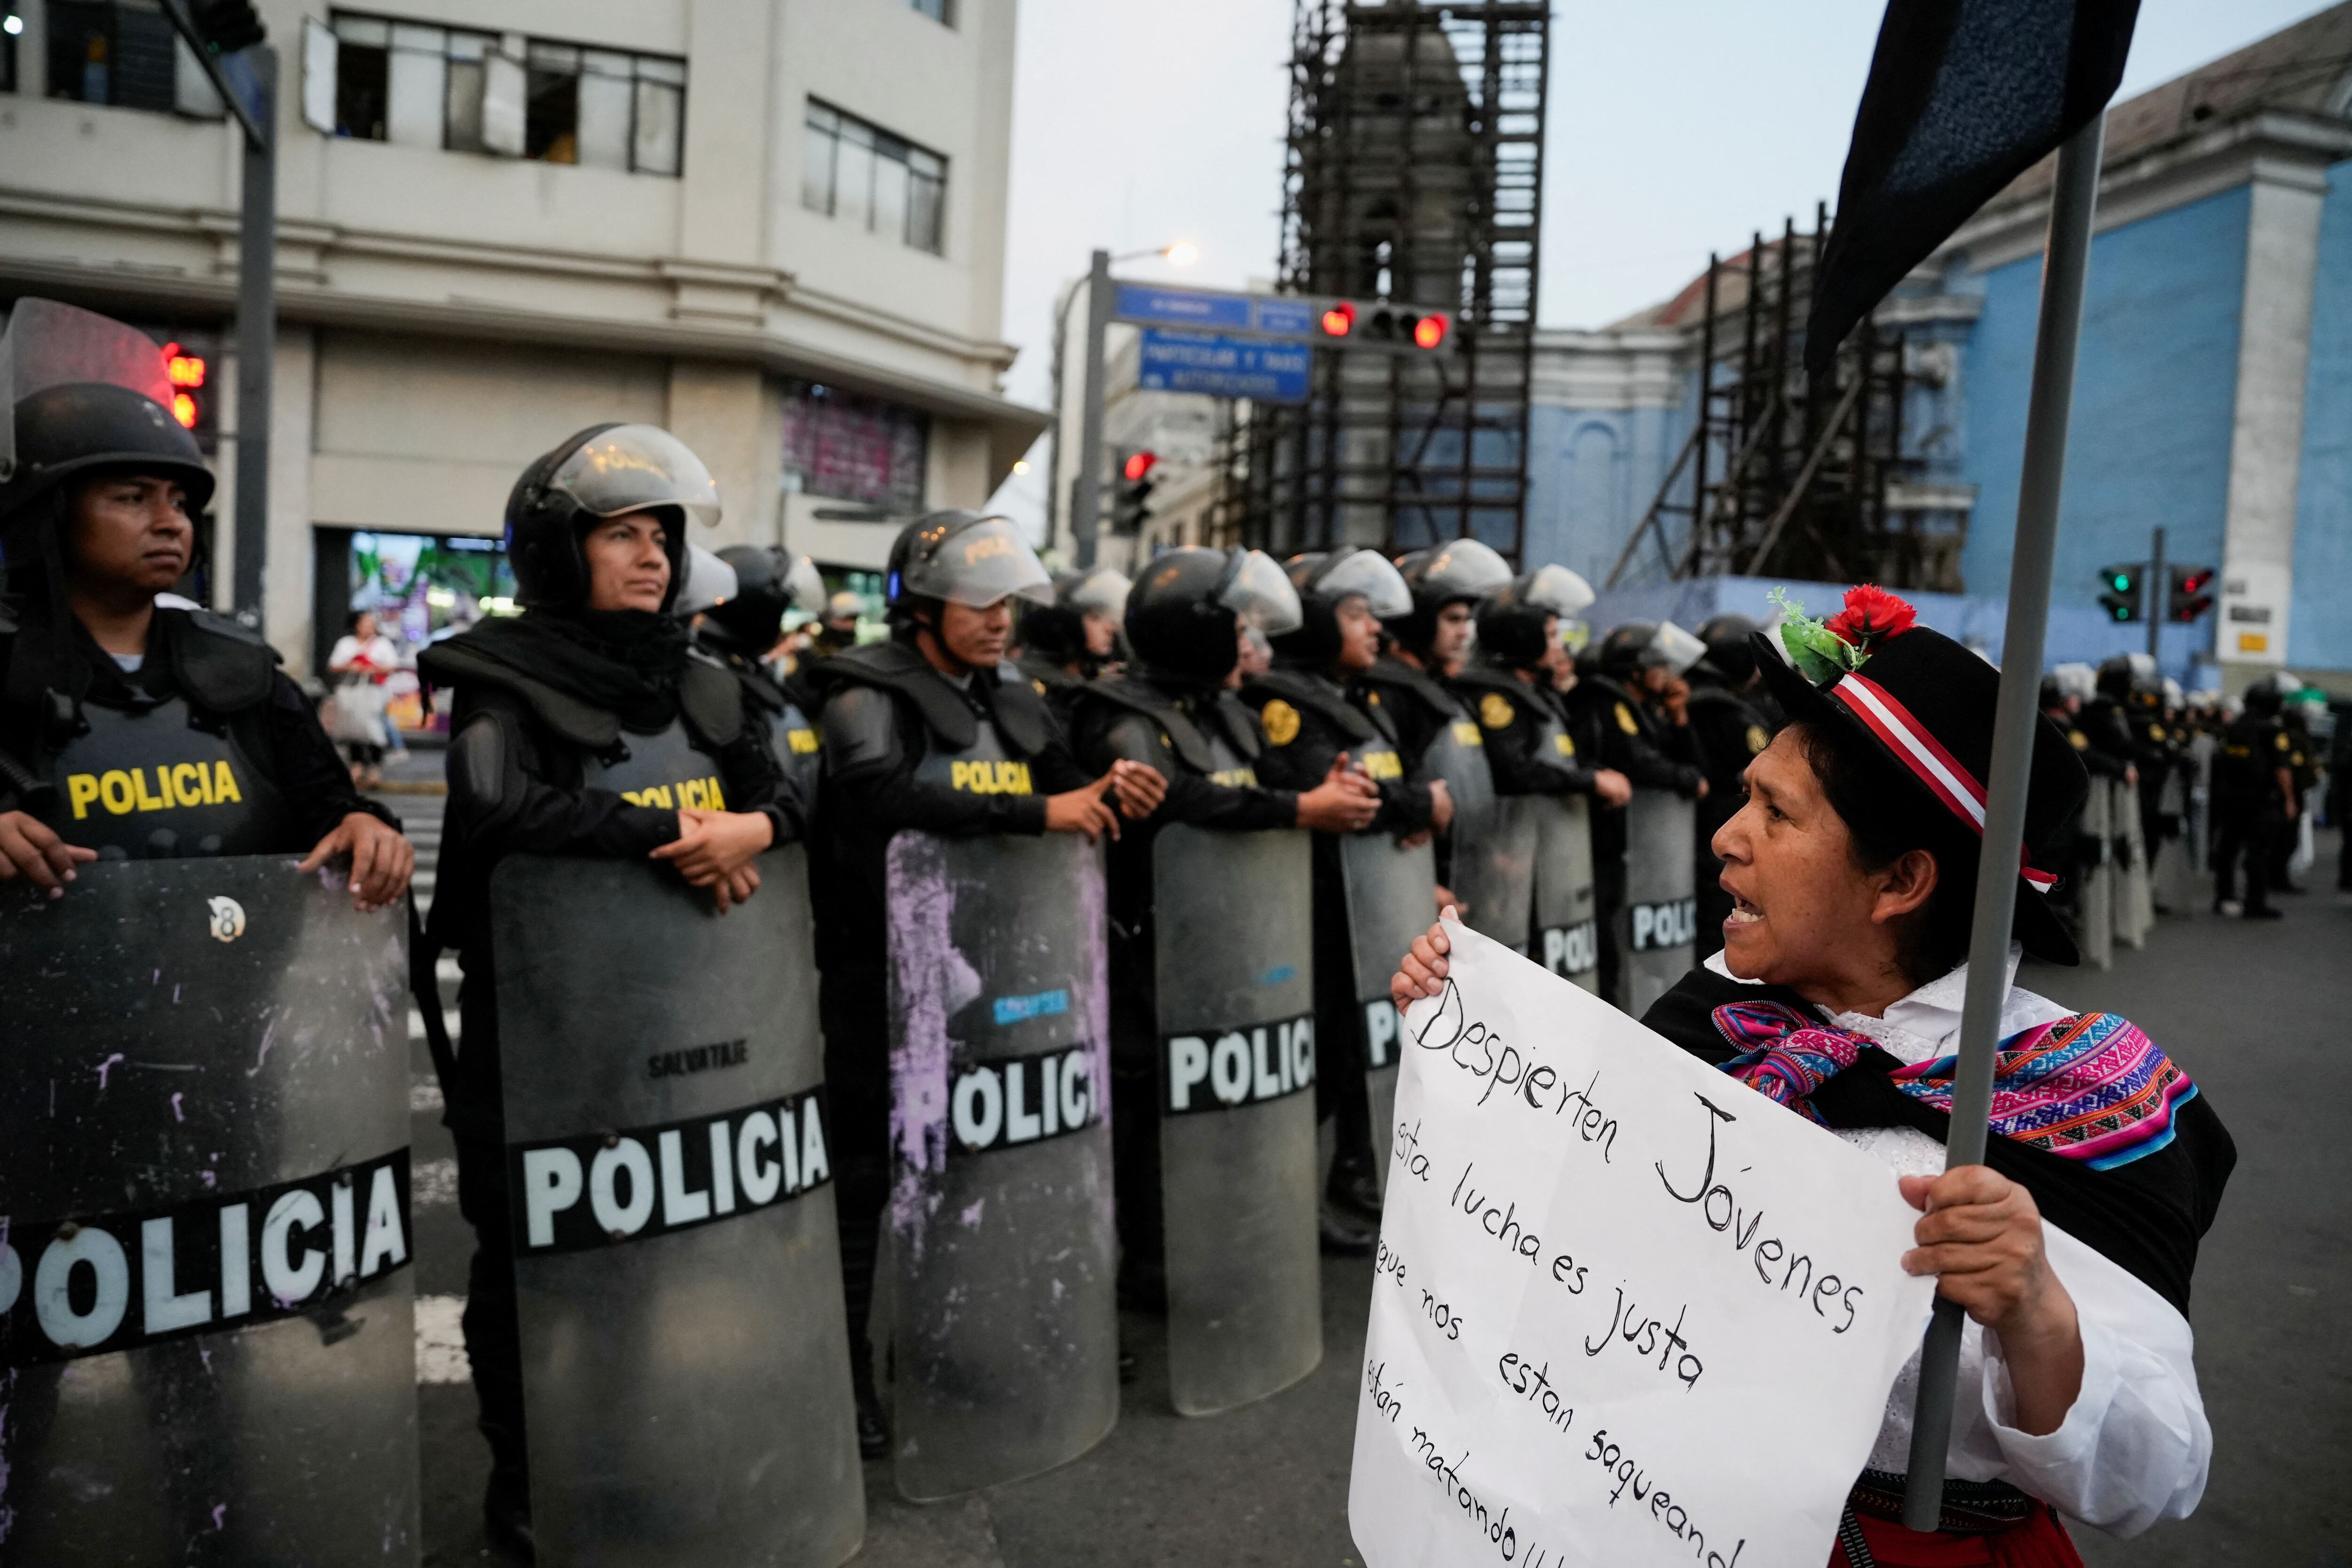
776, 230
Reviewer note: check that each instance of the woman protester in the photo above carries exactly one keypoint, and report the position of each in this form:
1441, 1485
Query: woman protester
584, 727
1853, 872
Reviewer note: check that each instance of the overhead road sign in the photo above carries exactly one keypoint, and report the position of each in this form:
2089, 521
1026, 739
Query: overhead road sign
1221, 365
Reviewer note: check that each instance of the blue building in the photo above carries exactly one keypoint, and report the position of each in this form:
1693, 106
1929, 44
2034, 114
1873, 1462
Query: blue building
2213, 396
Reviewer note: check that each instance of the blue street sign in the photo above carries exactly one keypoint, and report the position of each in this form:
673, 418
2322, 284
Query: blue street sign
1217, 365
1286, 317
1181, 307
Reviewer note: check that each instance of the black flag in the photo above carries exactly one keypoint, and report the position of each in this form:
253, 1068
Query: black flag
1963, 97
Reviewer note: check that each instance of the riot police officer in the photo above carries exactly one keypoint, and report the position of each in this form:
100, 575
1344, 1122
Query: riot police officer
1435, 735
1365, 882
742, 630
1728, 719
1071, 640
1621, 730
2254, 801
129, 731
932, 732
1215, 857
585, 727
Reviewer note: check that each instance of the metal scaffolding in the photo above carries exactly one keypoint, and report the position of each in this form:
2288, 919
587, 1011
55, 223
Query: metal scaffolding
1782, 474
1413, 176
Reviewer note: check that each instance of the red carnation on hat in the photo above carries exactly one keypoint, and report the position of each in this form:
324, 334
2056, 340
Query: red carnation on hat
1871, 615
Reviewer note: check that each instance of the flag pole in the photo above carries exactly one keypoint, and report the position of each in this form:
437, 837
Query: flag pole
2064, 261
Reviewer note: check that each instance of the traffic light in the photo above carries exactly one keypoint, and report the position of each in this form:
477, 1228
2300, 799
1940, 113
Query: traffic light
190, 374
1395, 328
226, 26
2120, 590
1135, 485
2190, 594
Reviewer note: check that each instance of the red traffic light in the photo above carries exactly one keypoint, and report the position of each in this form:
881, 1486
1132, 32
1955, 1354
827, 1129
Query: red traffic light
1339, 320
1139, 463
1430, 331
183, 369
184, 410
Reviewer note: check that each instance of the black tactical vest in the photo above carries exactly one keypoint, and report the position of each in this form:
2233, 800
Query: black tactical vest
163, 781
665, 768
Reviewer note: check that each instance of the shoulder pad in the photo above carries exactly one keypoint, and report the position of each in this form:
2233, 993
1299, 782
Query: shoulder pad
1240, 727
1305, 691
221, 665
1021, 711
711, 696
895, 668
861, 729
455, 665
1133, 735
1138, 697
1397, 675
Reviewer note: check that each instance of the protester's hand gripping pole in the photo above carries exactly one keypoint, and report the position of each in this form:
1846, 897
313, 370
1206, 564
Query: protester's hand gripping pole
2065, 262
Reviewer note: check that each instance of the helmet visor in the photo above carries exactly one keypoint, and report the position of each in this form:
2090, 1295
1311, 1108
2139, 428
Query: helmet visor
1674, 648
1101, 592
1259, 593
53, 345
1464, 568
1556, 588
633, 467
805, 585
709, 583
1368, 572
980, 564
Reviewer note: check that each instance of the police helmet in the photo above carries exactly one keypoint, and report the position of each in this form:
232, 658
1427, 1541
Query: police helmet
2053, 695
1463, 571
768, 580
1058, 629
85, 394
2126, 675
2263, 698
1513, 619
844, 606
604, 471
1325, 580
965, 557
1181, 617
2075, 680
1639, 646
1729, 653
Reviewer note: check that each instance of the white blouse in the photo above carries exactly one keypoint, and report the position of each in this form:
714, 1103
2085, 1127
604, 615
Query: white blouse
2136, 1445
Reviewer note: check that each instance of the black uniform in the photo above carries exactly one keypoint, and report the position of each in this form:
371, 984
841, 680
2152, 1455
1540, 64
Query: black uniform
1525, 725
1730, 730
207, 748
1050, 681
1613, 729
1307, 722
2249, 808
559, 745
1207, 745
899, 741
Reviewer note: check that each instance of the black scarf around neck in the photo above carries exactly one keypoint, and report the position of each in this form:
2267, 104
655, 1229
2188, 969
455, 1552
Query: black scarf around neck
627, 662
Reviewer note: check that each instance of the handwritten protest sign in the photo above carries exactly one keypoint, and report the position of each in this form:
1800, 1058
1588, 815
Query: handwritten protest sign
1627, 1311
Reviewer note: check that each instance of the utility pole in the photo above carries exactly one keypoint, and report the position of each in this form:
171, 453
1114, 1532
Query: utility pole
225, 37
2160, 591
1086, 489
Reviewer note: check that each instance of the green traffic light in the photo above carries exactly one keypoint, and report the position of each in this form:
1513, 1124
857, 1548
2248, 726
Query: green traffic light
2123, 583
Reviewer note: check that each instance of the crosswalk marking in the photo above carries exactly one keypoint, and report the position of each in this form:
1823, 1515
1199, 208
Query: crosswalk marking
441, 1340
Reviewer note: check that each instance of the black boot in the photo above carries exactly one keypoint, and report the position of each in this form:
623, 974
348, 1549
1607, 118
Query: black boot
873, 1422
506, 1514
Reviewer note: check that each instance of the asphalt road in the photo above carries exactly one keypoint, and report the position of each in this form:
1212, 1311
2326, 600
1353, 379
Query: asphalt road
2257, 1015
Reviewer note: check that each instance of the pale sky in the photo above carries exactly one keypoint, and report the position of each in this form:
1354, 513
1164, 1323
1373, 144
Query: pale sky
1675, 127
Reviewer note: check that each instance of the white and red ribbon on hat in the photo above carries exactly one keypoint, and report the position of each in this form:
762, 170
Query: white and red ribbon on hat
1922, 753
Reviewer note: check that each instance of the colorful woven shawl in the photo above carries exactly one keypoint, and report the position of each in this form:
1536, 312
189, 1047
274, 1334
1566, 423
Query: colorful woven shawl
2089, 1087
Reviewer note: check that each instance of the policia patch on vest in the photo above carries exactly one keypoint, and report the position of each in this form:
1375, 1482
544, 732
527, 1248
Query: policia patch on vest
1002, 777
96, 1284
600, 1189
1280, 722
122, 791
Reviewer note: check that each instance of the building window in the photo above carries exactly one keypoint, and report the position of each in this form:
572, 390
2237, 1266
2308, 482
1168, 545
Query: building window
561, 103
854, 448
937, 10
883, 184
123, 53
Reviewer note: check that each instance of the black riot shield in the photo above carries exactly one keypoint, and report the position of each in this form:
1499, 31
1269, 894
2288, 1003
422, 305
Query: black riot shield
1234, 927
205, 1293
1567, 937
1002, 1256
1658, 926
686, 1366
1493, 837
1390, 903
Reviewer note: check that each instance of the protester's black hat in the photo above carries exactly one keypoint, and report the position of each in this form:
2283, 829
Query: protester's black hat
1925, 703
